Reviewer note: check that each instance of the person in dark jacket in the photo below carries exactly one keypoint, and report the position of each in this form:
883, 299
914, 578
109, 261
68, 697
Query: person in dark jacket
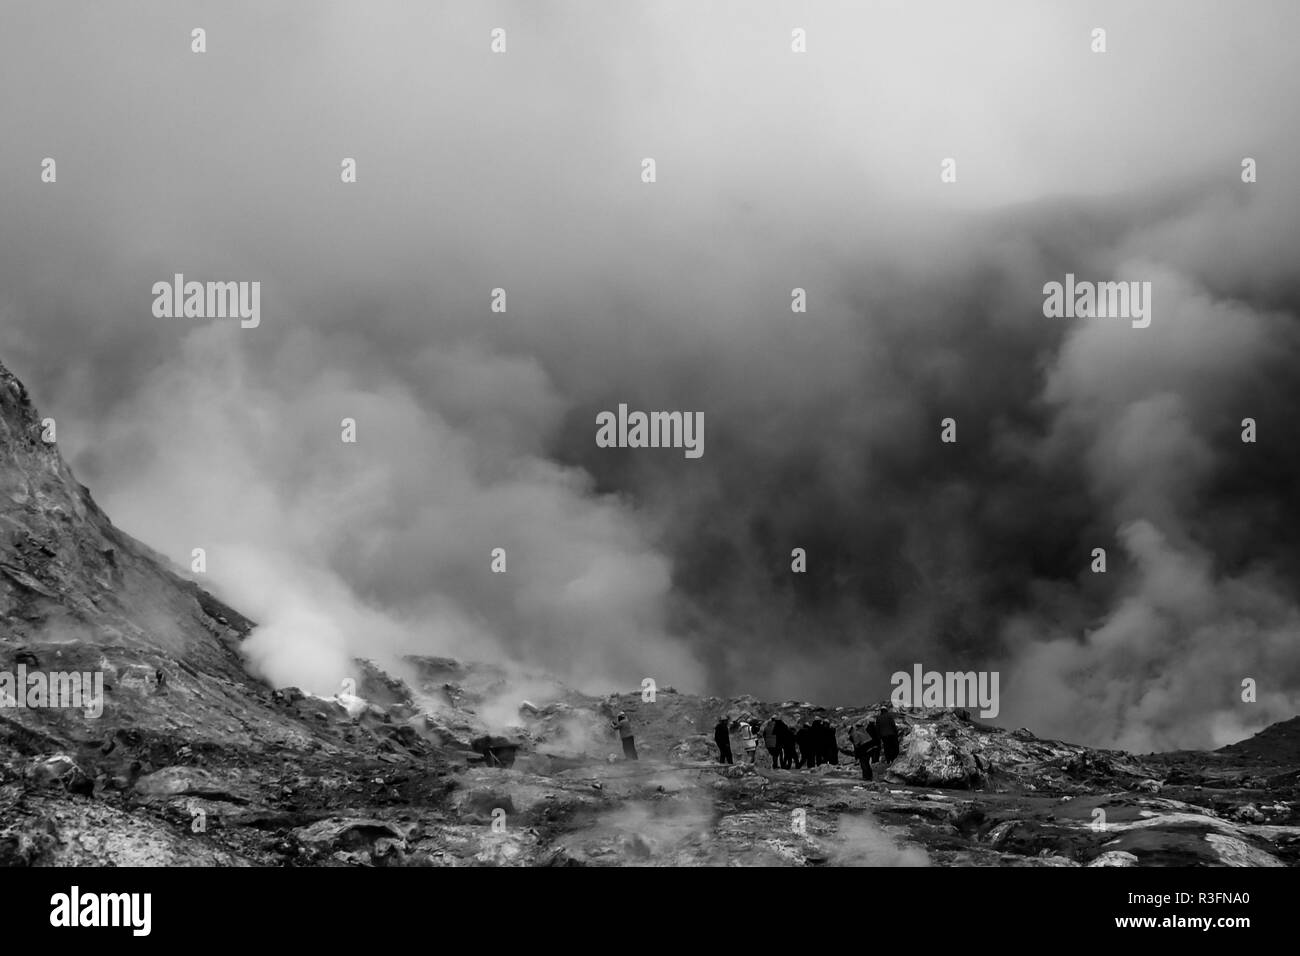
888, 733
832, 748
785, 745
825, 742
624, 728
861, 742
770, 742
722, 737
806, 738
873, 739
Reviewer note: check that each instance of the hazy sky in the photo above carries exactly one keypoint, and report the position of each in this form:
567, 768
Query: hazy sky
775, 170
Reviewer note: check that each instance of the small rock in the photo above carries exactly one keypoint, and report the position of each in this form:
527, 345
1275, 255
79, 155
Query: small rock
58, 769
1249, 813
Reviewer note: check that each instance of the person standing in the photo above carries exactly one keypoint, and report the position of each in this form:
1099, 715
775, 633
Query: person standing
624, 728
771, 742
806, 737
751, 740
861, 741
888, 733
785, 745
832, 748
819, 742
722, 737
873, 739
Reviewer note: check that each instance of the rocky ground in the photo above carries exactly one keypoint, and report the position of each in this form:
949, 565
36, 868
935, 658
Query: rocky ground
213, 767
391, 779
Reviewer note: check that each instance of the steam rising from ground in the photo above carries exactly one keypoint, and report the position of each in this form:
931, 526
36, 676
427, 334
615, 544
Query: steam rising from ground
859, 841
658, 830
475, 429
578, 734
382, 547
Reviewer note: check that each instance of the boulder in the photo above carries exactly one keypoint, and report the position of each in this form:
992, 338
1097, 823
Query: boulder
934, 758
352, 840
1249, 814
1232, 851
60, 770
185, 781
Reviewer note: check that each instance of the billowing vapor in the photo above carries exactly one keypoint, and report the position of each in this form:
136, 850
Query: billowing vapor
381, 547
859, 841
475, 429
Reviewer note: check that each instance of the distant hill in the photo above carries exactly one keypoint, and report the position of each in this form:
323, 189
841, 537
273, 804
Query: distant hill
1276, 744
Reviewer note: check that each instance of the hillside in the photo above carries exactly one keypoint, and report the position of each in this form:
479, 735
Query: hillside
210, 766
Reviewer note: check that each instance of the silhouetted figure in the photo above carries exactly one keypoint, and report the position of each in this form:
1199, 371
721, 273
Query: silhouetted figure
722, 737
832, 744
769, 741
873, 740
888, 733
785, 744
823, 741
806, 738
861, 742
624, 728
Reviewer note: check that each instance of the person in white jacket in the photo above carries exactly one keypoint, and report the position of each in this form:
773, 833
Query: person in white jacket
751, 739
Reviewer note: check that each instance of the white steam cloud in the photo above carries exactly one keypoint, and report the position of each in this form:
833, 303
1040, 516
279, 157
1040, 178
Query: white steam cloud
821, 171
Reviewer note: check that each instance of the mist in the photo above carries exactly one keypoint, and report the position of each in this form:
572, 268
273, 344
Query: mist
475, 429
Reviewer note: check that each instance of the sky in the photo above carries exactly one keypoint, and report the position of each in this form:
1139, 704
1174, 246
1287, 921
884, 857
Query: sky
775, 170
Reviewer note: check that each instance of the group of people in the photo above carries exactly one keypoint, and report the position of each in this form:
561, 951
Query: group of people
813, 743
810, 743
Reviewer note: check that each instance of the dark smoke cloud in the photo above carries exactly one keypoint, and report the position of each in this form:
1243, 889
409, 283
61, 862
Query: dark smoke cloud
822, 430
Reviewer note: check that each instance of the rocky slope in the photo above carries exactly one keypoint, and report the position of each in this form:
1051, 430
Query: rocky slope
210, 766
